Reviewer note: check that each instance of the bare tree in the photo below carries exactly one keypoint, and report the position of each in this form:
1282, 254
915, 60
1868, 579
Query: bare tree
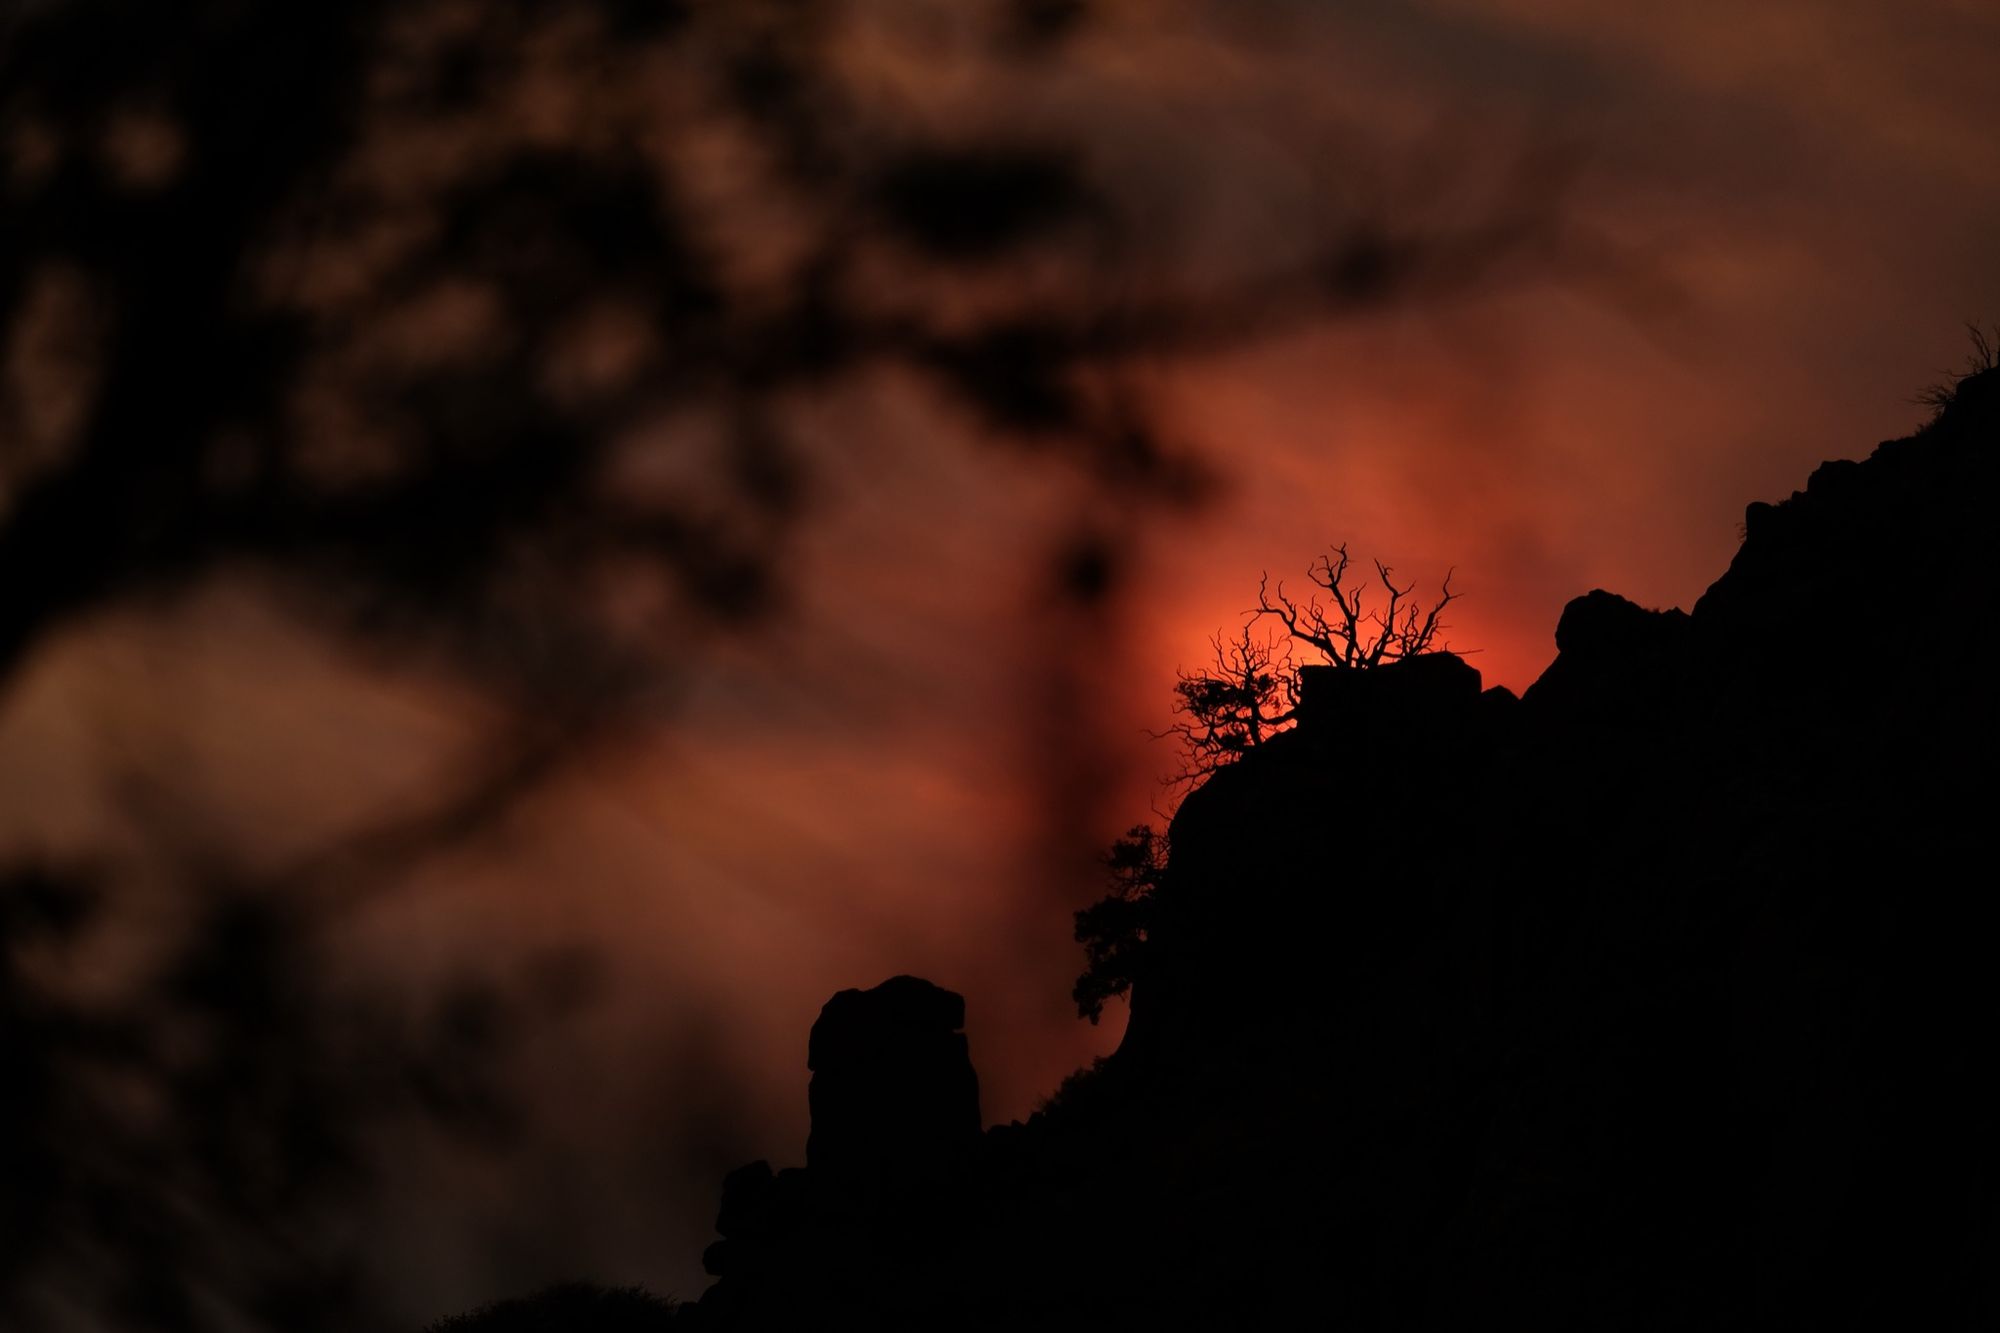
1347, 633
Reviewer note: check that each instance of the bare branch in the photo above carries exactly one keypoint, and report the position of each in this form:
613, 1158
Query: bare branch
1245, 695
1347, 633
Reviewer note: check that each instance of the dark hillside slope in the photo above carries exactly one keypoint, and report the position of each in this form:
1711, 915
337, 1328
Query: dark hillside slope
1661, 997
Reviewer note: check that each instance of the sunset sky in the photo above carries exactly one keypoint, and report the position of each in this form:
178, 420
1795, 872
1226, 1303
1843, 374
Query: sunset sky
1770, 225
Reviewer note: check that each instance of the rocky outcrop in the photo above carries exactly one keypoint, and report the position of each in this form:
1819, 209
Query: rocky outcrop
1411, 691
1659, 997
860, 1236
895, 1101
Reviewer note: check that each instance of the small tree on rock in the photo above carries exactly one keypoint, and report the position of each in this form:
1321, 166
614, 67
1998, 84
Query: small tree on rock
1250, 690
1247, 694
1347, 633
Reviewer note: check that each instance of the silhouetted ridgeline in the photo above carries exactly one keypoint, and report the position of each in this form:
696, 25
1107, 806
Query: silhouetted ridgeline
1661, 997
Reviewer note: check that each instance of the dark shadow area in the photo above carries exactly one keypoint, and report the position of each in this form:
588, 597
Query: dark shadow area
570, 1306
1658, 997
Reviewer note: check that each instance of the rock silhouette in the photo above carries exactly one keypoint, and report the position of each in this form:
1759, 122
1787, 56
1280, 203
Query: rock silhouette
1660, 997
894, 1095
869, 1233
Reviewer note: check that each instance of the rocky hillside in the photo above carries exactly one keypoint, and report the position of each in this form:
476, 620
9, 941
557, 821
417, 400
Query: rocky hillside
1660, 997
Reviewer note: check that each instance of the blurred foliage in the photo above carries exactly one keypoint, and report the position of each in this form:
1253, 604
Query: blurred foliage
486, 324
179, 1133
483, 329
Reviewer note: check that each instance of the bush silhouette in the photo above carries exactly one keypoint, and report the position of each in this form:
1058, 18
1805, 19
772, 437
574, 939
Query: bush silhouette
1984, 357
1113, 930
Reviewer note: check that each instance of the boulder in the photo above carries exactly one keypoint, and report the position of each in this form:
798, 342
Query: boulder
1418, 687
1601, 626
894, 1097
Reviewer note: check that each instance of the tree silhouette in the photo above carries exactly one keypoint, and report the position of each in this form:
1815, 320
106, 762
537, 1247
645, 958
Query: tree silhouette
1113, 929
1347, 633
1247, 694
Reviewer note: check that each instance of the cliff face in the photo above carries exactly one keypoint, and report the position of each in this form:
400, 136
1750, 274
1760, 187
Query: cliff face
1656, 994
1662, 996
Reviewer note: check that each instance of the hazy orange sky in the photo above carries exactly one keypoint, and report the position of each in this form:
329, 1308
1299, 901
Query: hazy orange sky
1801, 199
